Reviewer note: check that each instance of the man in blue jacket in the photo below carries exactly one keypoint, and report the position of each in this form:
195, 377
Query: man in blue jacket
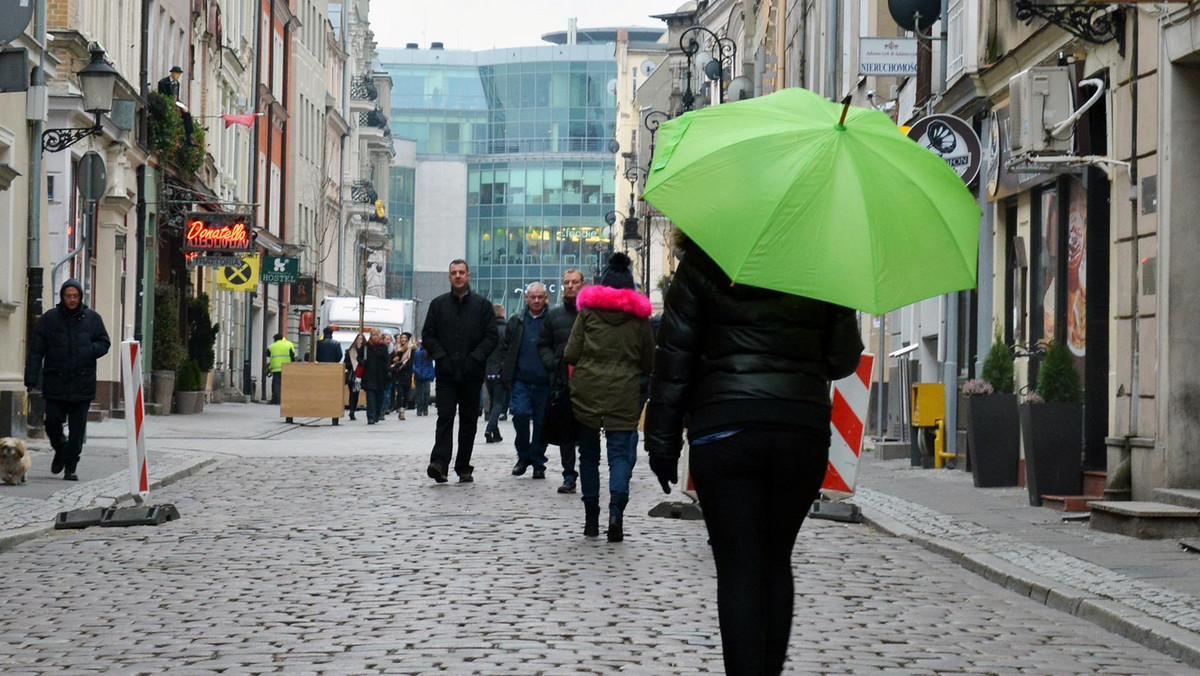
68, 340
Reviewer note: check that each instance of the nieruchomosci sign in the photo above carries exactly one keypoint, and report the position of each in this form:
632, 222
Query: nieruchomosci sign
887, 56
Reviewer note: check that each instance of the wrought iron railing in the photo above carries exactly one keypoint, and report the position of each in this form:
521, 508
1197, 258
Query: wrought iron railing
363, 192
362, 89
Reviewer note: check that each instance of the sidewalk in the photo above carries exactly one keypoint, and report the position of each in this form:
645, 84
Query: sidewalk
1145, 590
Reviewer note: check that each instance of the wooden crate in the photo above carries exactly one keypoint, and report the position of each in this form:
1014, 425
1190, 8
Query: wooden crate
312, 390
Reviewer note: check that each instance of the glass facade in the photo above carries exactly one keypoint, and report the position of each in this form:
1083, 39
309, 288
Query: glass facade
533, 126
401, 207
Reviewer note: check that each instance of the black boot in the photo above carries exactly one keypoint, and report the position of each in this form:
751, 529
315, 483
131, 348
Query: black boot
591, 519
616, 510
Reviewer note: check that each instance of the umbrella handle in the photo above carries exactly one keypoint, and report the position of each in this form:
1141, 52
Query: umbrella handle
845, 109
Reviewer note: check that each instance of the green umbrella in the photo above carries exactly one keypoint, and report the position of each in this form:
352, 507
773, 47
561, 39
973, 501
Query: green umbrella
794, 193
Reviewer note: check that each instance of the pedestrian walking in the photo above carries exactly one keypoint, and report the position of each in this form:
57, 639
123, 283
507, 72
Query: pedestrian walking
460, 334
611, 346
389, 386
402, 371
497, 393
556, 330
527, 380
280, 352
747, 371
423, 374
61, 361
377, 376
355, 361
329, 351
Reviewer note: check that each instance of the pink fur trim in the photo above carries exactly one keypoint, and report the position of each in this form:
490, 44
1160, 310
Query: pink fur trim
608, 298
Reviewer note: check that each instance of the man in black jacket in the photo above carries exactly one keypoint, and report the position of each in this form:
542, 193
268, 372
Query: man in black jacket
459, 335
553, 341
329, 351
68, 340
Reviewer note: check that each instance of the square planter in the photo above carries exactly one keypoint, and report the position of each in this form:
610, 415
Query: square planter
993, 435
1053, 437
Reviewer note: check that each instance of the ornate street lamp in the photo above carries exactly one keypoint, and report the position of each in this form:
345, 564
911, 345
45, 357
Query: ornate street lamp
97, 80
721, 53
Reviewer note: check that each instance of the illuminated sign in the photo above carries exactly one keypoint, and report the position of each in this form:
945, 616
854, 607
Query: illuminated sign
223, 233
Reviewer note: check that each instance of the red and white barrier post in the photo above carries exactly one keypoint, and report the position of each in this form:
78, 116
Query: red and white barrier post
135, 416
851, 396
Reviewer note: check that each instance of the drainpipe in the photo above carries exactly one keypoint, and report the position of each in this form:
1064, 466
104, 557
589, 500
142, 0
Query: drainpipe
247, 363
1134, 287
34, 272
831, 72
143, 139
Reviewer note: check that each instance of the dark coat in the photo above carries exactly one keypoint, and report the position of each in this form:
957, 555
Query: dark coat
402, 371
496, 359
459, 336
377, 372
611, 347
354, 354
510, 348
329, 351
64, 350
731, 356
556, 331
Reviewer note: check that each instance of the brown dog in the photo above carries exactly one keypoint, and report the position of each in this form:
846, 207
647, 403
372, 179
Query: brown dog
14, 461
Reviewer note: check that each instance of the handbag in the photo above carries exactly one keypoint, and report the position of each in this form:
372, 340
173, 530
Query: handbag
359, 371
559, 426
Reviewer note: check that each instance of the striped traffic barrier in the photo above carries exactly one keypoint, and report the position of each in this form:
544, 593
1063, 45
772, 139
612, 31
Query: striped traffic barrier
851, 396
135, 416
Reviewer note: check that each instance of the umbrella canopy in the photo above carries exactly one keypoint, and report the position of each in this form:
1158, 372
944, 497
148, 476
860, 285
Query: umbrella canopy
785, 195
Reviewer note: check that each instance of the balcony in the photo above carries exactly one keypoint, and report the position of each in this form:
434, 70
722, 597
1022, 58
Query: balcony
363, 192
363, 95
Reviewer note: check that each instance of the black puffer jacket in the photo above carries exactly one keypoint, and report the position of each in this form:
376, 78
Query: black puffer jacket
731, 356
64, 350
377, 372
459, 335
556, 331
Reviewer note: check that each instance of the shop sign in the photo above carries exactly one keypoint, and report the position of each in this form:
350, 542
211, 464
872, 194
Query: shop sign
217, 233
280, 270
887, 56
951, 139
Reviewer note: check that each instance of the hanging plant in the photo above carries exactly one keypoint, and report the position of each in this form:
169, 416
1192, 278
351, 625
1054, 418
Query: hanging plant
165, 127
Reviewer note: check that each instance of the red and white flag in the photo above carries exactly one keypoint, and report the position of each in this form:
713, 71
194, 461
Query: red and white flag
246, 119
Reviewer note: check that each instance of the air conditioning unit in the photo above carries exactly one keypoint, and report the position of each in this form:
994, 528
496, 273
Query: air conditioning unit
1041, 98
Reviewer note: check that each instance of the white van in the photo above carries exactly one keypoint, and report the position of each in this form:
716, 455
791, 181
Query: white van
389, 316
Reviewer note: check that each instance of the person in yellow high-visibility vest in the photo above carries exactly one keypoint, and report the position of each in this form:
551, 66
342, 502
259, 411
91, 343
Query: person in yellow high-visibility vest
281, 352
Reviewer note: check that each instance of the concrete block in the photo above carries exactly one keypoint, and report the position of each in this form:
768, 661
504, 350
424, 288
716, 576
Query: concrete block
1145, 520
892, 450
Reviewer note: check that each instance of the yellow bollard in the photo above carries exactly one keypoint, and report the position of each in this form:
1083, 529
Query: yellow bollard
940, 456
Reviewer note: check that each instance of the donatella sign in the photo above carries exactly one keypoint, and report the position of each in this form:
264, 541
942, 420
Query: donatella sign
217, 233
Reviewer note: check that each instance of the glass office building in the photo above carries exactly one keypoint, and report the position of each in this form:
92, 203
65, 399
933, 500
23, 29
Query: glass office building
533, 126
401, 209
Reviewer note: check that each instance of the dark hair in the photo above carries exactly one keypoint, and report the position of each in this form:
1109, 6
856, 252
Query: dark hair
407, 335
459, 261
327, 331
278, 336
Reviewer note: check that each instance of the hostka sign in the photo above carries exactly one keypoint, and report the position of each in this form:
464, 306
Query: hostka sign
217, 233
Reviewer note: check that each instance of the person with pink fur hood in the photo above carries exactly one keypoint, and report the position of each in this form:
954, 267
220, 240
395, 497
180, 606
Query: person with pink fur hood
611, 347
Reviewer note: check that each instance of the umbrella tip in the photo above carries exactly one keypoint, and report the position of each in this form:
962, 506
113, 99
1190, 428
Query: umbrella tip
841, 125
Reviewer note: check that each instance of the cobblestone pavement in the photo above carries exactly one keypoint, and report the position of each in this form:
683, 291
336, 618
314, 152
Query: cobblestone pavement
326, 550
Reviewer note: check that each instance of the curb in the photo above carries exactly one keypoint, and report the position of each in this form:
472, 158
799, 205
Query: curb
1110, 615
15, 537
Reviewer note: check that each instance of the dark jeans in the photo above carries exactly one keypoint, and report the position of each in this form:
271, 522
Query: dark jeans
498, 396
622, 456
74, 414
529, 409
375, 403
463, 398
276, 385
756, 487
354, 400
567, 453
422, 397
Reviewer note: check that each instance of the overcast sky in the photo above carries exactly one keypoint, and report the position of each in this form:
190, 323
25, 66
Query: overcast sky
484, 24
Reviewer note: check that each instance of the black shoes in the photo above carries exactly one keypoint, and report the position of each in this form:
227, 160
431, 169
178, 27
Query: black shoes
466, 478
71, 476
568, 485
492, 437
615, 532
519, 468
591, 521
436, 473
56, 466
539, 472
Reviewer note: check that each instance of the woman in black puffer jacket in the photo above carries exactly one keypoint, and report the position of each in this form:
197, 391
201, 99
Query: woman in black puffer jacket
747, 372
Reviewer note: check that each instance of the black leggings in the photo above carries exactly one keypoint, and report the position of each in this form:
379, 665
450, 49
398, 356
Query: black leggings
755, 488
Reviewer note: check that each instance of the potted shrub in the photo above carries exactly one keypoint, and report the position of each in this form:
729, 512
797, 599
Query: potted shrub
190, 395
993, 430
1052, 429
202, 337
168, 351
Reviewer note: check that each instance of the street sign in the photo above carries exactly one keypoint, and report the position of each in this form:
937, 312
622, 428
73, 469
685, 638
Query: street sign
214, 261
16, 15
951, 139
302, 291
242, 277
93, 178
280, 270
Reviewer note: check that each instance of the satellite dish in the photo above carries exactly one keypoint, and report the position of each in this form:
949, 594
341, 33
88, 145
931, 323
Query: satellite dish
647, 67
612, 87
740, 89
903, 12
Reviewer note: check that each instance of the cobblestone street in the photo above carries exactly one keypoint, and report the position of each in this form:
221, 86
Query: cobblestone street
325, 549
